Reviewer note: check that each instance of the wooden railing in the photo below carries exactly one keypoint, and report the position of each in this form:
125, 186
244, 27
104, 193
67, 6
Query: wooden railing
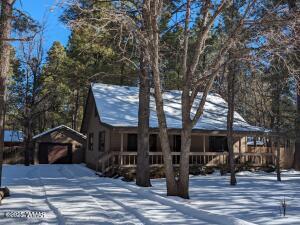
111, 159
107, 161
129, 159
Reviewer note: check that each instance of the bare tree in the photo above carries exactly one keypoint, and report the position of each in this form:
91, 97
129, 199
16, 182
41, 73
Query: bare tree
31, 58
192, 102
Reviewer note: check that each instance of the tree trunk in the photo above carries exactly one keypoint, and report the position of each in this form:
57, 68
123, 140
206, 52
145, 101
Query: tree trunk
5, 29
183, 182
293, 7
172, 189
297, 144
151, 13
75, 109
143, 169
28, 139
278, 159
230, 119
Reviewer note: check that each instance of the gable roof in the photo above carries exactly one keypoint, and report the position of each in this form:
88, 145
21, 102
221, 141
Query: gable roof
13, 136
61, 127
118, 107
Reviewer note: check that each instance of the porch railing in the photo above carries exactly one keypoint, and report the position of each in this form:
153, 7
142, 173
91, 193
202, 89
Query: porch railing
129, 159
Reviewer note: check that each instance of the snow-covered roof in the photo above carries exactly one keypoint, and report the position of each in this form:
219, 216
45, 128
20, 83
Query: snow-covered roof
13, 136
58, 128
118, 107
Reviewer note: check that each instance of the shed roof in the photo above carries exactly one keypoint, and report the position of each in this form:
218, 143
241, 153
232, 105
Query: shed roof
61, 127
118, 107
13, 136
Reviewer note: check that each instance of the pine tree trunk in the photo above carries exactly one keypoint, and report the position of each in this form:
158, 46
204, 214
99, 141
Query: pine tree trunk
297, 144
278, 173
28, 139
293, 6
75, 110
5, 29
143, 169
230, 119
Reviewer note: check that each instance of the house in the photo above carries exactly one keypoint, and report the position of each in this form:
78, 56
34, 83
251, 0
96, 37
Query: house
111, 118
59, 145
13, 138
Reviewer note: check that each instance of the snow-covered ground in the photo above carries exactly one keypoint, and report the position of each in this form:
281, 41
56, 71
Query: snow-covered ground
73, 194
256, 198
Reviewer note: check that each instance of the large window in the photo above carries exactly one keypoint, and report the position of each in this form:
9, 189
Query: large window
218, 144
91, 141
132, 142
101, 141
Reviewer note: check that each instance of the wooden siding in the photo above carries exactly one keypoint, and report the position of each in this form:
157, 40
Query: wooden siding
65, 137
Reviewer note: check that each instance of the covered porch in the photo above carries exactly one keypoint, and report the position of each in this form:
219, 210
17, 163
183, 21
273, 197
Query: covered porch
207, 149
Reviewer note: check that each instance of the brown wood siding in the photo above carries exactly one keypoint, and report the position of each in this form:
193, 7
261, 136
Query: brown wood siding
63, 136
94, 126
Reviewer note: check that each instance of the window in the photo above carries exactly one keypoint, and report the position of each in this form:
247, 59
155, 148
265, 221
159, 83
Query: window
91, 141
101, 141
132, 142
218, 144
153, 142
176, 143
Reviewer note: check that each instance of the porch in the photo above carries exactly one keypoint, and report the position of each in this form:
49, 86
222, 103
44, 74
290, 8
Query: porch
202, 154
213, 159
207, 149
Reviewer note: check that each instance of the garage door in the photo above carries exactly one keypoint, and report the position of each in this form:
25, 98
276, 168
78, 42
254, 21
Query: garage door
54, 153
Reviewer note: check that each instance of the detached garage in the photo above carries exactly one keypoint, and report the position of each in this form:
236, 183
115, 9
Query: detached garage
59, 145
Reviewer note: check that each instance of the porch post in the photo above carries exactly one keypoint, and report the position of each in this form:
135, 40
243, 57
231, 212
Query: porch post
122, 148
204, 145
246, 144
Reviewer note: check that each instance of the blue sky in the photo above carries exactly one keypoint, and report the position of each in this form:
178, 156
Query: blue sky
40, 10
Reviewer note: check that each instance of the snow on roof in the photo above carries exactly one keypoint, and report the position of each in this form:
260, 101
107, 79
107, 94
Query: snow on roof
13, 136
118, 106
58, 128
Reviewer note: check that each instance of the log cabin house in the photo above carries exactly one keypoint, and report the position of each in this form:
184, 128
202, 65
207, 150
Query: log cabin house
111, 118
